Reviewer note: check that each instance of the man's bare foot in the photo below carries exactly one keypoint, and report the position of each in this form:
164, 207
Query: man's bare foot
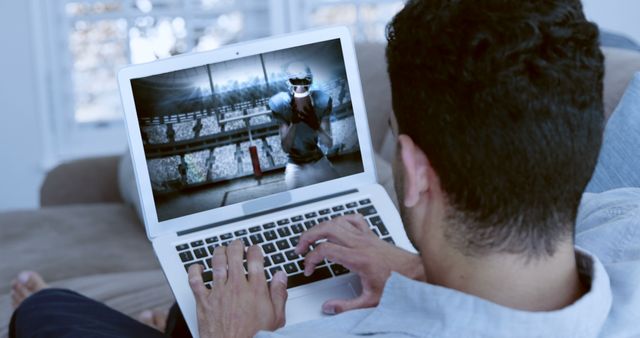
156, 318
24, 285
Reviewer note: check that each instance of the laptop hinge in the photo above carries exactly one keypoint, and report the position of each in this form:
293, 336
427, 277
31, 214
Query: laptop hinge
265, 212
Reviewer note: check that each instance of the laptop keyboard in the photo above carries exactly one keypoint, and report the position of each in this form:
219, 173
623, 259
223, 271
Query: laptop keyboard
278, 240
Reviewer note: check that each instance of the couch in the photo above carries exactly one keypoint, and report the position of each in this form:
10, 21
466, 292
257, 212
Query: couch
88, 238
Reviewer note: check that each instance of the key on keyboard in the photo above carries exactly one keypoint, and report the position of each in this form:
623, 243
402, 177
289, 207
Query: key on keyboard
338, 269
367, 211
300, 279
270, 235
186, 256
256, 239
186, 266
284, 232
201, 252
268, 248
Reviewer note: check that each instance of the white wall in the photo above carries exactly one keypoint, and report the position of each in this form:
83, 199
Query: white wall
620, 16
21, 170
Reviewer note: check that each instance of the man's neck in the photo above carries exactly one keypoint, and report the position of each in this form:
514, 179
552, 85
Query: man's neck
537, 284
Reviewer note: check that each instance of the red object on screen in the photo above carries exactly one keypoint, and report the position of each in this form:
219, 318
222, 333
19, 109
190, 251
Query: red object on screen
255, 161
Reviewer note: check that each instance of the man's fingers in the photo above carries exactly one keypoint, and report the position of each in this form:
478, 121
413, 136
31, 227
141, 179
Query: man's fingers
339, 230
336, 306
195, 281
219, 266
328, 230
278, 290
255, 265
358, 221
331, 251
235, 253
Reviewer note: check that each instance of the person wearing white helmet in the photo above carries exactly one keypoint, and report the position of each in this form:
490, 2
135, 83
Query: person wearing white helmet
304, 114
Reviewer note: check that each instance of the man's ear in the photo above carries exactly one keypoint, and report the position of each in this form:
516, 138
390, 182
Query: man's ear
416, 168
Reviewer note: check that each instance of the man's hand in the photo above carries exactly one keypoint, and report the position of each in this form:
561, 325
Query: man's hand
308, 115
295, 117
302, 111
351, 243
238, 306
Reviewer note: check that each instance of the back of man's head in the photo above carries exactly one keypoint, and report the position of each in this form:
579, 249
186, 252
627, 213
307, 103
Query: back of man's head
505, 99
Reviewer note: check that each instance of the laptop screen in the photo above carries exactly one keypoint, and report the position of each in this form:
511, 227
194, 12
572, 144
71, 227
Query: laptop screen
233, 131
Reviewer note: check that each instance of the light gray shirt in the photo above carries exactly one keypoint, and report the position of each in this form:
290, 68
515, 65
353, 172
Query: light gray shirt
608, 251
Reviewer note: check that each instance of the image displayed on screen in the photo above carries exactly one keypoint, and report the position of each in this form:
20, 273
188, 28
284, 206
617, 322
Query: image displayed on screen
233, 131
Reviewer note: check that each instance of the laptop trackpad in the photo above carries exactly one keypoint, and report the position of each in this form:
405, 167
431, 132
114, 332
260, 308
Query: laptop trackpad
309, 306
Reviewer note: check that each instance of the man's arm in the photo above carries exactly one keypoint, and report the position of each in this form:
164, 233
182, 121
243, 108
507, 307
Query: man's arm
324, 133
287, 135
325, 136
280, 105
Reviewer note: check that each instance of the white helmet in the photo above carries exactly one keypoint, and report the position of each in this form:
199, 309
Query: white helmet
298, 75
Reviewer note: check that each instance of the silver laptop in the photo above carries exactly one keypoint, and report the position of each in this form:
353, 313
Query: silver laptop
208, 139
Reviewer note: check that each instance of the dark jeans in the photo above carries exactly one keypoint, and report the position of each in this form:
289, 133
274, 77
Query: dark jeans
64, 313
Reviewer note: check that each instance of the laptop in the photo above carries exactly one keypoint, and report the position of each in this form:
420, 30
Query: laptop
208, 140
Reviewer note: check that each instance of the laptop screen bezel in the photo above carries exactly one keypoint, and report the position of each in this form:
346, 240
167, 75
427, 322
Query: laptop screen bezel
155, 227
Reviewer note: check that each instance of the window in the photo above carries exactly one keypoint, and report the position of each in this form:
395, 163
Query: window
106, 35
102, 36
367, 19
87, 41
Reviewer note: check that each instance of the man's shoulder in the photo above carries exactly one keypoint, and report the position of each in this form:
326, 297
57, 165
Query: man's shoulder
280, 105
599, 210
280, 100
608, 225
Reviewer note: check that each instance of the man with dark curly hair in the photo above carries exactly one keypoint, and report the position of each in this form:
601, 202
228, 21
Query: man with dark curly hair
499, 116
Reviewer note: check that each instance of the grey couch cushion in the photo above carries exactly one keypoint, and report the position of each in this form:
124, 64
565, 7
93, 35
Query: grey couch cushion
376, 89
73, 241
89, 180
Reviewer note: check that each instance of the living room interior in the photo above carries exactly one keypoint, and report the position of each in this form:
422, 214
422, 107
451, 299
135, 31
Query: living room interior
67, 192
